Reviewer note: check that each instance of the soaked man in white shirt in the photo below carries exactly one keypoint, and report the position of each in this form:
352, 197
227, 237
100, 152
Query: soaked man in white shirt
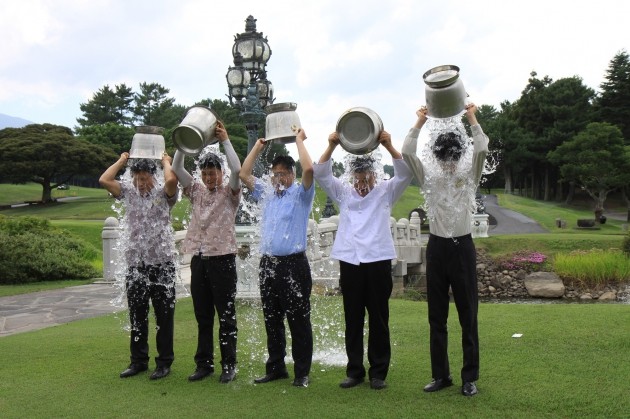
365, 248
449, 173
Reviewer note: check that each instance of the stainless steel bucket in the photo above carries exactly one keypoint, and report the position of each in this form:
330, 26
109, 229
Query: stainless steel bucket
282, 123
359, 129
196, 130
444, 91
147, 143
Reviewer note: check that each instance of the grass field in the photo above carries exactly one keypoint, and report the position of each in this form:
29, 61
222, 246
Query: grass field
570, 362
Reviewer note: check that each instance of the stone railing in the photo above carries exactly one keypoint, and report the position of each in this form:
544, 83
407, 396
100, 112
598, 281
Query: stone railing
405, 232
407, 268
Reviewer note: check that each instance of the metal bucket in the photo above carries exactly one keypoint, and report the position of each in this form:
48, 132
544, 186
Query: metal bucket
444, 91
282, 123
196, 130
147, 143
359, 129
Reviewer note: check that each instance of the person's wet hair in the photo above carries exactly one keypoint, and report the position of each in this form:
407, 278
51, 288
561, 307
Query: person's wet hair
210, 160
362, 164
286, 161
448, 147
143, 165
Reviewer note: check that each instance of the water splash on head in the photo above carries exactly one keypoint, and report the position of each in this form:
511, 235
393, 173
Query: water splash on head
447, 159
211, 156
370, 162
156, 235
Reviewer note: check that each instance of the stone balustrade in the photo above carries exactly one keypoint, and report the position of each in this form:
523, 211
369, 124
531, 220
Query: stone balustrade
407, 268
320, 238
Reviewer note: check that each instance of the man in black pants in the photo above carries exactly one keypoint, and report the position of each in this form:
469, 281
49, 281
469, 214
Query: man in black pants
285, 275
211, 239
449, 178
149, 251
365, 248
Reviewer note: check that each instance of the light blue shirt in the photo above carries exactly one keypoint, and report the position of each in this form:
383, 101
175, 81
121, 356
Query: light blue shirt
284, 218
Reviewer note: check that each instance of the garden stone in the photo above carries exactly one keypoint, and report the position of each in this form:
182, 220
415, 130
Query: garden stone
544, 284
608, 295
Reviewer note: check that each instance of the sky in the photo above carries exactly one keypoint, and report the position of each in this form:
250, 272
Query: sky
327, 55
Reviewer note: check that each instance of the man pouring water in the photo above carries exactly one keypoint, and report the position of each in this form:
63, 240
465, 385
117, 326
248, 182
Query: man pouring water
448, 173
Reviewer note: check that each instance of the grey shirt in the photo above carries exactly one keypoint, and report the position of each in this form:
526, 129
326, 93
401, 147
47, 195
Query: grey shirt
147, 235
449, 192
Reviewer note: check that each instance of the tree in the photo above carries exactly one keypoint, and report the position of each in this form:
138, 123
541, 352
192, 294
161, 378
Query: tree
111, 135
108, 105
49, 155
613, 104
596, 159
153, 107
551, 113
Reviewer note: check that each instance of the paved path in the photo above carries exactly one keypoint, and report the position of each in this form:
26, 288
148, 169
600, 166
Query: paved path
505, 221
26, 312
37, 310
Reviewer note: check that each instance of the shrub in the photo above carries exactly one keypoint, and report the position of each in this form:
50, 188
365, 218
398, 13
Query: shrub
20, 225
31, 250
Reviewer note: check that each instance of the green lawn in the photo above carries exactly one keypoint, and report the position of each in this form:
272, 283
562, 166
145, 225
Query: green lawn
570, 362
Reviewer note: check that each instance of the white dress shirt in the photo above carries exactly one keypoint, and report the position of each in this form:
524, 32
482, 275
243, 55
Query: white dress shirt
364, 233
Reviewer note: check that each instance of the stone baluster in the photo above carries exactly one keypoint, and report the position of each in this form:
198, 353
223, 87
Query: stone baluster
110, 236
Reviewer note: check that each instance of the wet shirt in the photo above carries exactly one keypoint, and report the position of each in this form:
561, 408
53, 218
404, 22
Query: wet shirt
364, 234
450, 196
211, 230
147, 235
284, 218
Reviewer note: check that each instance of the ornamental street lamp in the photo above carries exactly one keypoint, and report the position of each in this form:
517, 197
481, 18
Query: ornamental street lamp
248, 87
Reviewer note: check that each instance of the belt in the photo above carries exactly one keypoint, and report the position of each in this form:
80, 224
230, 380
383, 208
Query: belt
208, 257
286, 258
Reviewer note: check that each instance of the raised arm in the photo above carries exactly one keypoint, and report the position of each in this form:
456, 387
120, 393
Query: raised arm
185, 178
333, 142
305, 160
385, 139
170, 179
232, 159
410, 146
108, 178
248, 165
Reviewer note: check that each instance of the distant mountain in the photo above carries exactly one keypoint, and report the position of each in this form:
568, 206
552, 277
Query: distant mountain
7, 121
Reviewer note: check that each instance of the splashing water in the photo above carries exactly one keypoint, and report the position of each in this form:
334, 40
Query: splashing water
154, 235
447, 158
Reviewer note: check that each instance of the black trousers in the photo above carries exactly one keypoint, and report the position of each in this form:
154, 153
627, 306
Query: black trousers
452, 262
285, 290
155, 283
213, 286
367, 286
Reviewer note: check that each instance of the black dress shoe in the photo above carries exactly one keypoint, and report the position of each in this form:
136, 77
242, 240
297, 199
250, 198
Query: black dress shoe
438, 384
272, 376
160, 372
469, 389
200, 373
301, 381
228, 374
133, 369
351, 382
377, 384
